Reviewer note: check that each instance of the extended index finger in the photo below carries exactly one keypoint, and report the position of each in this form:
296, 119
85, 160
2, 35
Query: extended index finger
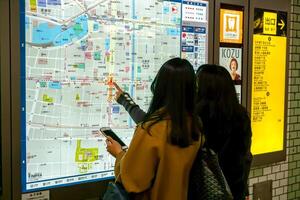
117, 87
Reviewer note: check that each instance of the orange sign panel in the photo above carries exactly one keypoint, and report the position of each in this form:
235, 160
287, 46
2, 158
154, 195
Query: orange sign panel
231, 26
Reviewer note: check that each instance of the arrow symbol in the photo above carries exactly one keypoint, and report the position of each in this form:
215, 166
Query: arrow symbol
282, 24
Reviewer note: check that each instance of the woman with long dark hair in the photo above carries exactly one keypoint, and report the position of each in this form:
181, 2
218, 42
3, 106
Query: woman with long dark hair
226, 126
164, 146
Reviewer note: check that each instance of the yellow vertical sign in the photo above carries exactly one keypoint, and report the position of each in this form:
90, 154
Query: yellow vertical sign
270, 23
268, 93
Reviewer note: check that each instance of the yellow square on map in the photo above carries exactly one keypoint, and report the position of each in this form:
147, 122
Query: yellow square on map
270, 23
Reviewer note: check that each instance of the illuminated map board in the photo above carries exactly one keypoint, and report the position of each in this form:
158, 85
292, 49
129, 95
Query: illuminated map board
268, 82
73, 49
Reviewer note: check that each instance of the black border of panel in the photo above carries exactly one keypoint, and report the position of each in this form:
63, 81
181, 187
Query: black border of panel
275, 5
241, 6
211, 30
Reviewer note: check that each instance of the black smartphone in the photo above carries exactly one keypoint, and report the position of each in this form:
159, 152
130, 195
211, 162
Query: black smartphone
106, 131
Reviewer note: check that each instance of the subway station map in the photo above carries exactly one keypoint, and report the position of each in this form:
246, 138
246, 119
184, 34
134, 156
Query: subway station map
74, 50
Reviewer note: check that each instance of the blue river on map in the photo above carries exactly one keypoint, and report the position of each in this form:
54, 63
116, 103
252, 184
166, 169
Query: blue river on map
55, 85
46, 33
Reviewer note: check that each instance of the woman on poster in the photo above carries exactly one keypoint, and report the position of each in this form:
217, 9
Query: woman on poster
233, 66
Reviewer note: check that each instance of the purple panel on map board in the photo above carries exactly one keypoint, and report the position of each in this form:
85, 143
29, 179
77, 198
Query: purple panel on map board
54, 2
42, 3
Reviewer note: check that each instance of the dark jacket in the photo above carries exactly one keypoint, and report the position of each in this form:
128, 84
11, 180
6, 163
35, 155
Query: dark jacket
231, 140
135, 112
233, 148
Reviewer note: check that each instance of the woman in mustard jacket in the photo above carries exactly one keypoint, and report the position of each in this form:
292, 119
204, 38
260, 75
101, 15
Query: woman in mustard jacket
157, 164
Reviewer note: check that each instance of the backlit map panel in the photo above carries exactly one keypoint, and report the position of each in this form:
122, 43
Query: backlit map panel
74, 49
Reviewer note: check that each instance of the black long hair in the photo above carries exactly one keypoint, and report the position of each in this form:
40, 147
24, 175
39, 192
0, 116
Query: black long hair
217, 103
173, 91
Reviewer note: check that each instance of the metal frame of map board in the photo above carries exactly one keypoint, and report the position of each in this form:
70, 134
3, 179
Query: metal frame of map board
240, 6
5, 79
16, 97
272, 5
17, 44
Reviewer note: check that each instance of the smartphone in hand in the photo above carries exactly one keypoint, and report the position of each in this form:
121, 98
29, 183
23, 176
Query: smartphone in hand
106, 131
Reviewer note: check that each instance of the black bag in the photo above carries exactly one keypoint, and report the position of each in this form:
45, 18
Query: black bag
115, 191
206, 179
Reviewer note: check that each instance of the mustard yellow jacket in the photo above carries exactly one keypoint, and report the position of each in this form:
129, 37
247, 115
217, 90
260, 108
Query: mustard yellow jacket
154, 169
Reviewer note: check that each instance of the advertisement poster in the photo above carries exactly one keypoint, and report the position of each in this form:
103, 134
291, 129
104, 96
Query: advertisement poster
268, 82
231, 26
231, 59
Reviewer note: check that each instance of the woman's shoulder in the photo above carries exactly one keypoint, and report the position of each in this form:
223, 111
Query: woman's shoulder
242, 123
243, 114
155, 128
